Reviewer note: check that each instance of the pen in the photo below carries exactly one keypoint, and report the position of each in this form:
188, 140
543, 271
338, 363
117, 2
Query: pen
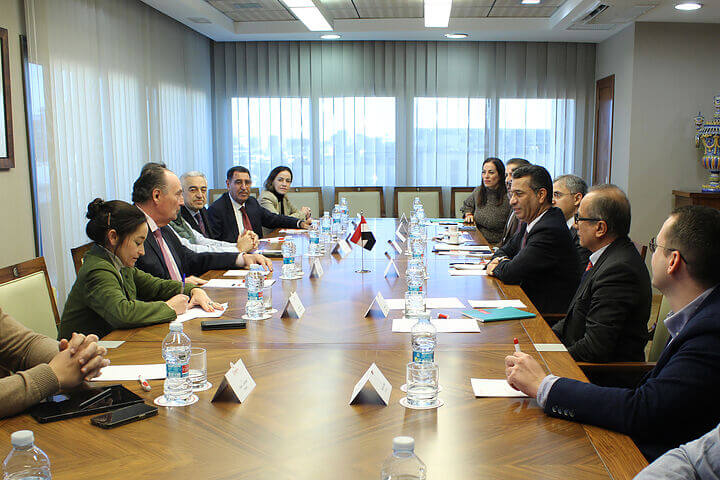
144, 383
95, 398
442, 315
517, 345
183, 283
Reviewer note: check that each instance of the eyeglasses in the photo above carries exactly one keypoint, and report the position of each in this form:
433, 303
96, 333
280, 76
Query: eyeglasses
654, 245
578, 218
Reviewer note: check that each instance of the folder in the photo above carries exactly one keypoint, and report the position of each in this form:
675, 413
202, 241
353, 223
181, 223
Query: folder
496, 314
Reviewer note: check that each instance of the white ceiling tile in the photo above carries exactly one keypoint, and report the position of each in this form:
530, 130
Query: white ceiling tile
469, 12
522, 12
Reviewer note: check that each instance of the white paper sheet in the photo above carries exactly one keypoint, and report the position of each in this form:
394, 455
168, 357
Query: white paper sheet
430, 303
121, 373
466, 248
458, 253
235, 273
443, 325
230, 283
272, 239
293, 230
550, 347
110, 343
197, 312
484, 387
496, 303
467, 273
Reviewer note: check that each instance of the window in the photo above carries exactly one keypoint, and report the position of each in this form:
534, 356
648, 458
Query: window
357, 141
450, 140
268, 132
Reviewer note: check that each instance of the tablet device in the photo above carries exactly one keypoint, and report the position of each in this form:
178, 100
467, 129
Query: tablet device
124, 415
222, 324
87, 401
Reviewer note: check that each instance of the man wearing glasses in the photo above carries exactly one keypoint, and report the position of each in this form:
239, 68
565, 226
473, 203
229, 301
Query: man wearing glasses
607, 318
568, 192
676, 401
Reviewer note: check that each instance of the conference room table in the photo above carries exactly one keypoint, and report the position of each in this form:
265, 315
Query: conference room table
297, 423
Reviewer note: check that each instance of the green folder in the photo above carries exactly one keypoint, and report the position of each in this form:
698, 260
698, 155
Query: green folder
496, 314
446, 220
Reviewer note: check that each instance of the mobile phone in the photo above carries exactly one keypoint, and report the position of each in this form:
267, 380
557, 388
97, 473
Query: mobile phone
222, 324
124, 415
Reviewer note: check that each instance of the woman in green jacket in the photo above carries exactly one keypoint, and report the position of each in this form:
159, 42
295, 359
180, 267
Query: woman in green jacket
274, 197
109, 292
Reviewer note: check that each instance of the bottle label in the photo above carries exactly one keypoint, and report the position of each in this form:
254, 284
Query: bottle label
314, 239
255, 296
423, 357
414, 289
288, 260
177, 370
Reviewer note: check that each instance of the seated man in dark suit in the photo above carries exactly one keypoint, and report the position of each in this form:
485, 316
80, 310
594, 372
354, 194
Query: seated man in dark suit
541, 256
677, 400
513, 224
236, 211
607, 318
158, 193
568, 192
194, 185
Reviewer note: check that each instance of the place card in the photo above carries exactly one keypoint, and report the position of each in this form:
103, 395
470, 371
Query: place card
484, 387
316, 269
379, 304
293, 307
391, 263
342, 248
380, 385
549, 347
395, 246
400, 236
237, 381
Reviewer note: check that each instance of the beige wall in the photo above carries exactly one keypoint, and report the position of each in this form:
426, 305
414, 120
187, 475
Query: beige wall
18, 243
675, 74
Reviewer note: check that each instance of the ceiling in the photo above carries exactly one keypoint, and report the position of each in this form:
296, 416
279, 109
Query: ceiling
502, 20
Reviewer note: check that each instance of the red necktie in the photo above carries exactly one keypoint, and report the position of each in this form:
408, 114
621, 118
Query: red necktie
246, 220
201, 224
589, 266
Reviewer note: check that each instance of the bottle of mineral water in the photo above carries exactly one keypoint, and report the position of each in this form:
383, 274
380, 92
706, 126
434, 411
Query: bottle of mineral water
288, 253
403, 464
255, 282
345, 215
415, 295
416, 203
325, 228
176, 352
423, 339
25, 461
314, 240
336, 222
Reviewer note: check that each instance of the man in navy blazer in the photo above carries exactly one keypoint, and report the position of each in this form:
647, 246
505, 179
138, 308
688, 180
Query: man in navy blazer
541, 256
158, 194
236, 211
194, 185
677, 400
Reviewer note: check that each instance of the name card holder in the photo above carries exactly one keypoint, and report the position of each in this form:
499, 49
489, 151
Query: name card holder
342, 248
316, 269
391, 263
237, 381
377, 386
293, 307
378, 305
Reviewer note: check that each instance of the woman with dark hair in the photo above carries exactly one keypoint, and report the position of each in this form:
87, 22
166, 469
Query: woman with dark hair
110, 292
274, 197
488, 205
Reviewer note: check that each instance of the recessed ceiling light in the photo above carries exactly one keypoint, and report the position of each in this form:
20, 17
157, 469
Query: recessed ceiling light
530, 2
686, 6
456, 35
331, 36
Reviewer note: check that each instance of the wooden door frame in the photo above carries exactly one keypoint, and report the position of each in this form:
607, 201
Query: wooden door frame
610, 78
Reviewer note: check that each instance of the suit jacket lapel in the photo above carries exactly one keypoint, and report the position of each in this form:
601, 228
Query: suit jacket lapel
230, 218
155, 247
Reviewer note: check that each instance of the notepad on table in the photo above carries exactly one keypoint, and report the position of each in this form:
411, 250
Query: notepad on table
197, 312
447, 325
486, 387
497, 314
120, 373
496, 303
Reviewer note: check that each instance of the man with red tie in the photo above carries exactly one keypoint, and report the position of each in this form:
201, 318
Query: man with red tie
158, 194
607, 318
236, 211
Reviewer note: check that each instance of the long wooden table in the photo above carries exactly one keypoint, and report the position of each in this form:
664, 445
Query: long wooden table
297, 423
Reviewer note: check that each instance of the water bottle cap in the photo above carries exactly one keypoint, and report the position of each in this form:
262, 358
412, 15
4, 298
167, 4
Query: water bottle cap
403, 444
176, 326
22, 438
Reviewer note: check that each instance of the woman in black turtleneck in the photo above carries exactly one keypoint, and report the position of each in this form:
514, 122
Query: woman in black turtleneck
488, 206
274, 197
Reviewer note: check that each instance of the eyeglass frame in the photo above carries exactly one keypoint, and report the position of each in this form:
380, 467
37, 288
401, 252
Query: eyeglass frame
578, 218
653, 245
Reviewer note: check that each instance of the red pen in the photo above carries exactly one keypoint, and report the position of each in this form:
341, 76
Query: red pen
442, 315
144, 383
517, 345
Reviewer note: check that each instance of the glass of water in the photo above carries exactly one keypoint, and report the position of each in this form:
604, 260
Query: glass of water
198, 369
267, 298
422, 384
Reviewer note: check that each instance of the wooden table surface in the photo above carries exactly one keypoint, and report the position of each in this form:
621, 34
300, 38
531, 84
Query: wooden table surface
297, 424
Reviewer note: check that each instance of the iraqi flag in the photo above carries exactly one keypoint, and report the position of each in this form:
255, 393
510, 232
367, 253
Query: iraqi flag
363, 236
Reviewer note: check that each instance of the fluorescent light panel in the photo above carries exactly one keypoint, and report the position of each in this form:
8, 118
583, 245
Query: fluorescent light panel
437, 13
688, 6
309, 15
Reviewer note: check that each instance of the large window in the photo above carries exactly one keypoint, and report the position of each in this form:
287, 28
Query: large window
357, 141
268, 132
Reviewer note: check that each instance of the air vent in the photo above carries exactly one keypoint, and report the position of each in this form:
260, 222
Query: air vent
597, 11
606, 17
199, 20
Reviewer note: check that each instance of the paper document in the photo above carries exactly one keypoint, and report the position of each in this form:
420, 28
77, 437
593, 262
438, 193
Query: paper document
228, 283
483, 387
443, 325
466, 248
496, 303
273, 239
121, 373
466, 273
110, 343
549, 347
458, 253
293, 230
430, 303
197, 312
236, 273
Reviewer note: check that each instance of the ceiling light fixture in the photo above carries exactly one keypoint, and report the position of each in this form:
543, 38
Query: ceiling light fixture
688, 6
308, 13
331, 36
456, 35
530, 2
437, 13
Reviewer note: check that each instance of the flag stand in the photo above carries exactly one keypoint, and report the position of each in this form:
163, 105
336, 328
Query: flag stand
362, 253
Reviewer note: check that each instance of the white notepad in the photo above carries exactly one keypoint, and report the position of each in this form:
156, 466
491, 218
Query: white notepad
496, 303
467, 273
443, 325
197, 312
229, 283
430, 303
485, 387
121, 373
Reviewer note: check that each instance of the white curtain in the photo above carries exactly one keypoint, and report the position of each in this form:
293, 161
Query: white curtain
113, 84
455, 104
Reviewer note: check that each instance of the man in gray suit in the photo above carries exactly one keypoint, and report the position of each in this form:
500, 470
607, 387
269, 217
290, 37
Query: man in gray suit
568, 192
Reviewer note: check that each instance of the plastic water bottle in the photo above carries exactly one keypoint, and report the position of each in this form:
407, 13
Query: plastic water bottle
176, 352
403, 464
416, 203
423, 339
325, 228
336, 222
25, 461
255, 282
288, 252
415, 295
314, 240
345, 215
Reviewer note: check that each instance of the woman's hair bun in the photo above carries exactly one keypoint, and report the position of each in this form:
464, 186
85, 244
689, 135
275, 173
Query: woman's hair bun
95, 208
